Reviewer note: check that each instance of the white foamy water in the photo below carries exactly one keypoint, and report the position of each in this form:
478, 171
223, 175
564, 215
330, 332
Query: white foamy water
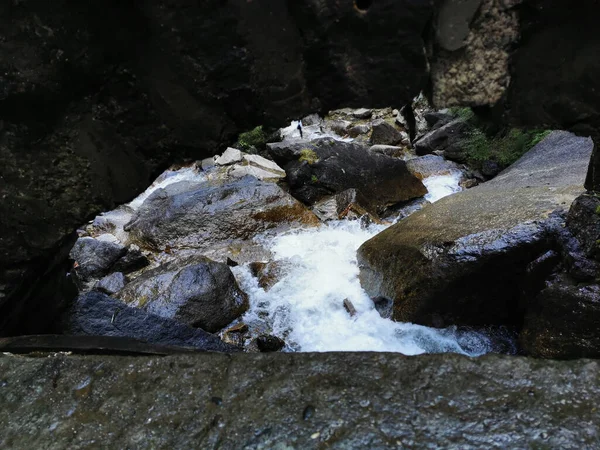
305, 307
441, 186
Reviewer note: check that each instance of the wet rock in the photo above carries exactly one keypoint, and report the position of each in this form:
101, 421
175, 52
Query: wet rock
132, 261
447, 139
431, 165
304, 396
325, 166
384, 134
230, 156
111, 284
96, 314
195, 291
362, 113
462, 259
388, 150
584, 223
349, 204
269, 343
436, 119
562, 321
270, 273
94, 258
231, 263
358, 130
212, 215
349, 307
235, 335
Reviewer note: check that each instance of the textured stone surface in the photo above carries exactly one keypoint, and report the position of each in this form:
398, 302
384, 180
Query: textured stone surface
195, 291
96, 314
298, 401
326, 166
463, 258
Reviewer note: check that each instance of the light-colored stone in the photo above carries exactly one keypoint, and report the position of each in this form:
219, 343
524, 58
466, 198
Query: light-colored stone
229, 156
238, 171
362, 113
264, 163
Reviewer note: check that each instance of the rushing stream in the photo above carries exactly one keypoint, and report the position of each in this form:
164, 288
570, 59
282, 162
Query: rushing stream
305, 307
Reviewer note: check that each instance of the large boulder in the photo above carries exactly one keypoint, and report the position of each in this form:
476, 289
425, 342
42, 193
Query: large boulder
562, 321
94, 258
463, 259
584, 222
298, 400
195, 291
96, 314
327, 166
214, 213
447, 139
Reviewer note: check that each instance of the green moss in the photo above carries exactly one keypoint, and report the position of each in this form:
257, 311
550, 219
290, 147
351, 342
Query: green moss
308, 155
253, 138
598, 210
314, 179
503, 148
464, 113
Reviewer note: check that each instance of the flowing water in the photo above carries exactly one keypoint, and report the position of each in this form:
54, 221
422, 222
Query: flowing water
305, 307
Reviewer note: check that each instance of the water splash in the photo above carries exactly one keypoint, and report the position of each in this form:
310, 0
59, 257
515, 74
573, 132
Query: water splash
441, 186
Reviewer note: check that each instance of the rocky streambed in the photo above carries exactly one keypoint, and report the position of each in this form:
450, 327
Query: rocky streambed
252, 252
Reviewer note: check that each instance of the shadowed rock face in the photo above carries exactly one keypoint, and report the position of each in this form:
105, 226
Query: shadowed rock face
302, 401
96, 98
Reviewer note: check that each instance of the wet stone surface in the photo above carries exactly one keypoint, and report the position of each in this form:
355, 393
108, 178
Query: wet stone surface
298, 401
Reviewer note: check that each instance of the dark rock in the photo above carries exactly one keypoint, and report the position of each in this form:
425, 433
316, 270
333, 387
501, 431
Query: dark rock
94, 100
133, 261
490, 169
384, 134
111, 284
562, 321
231, 263
326, 166
195, 291
462, 260
348, 204
384, 307
208, 215
448, 139
388, 150
362, 113
94, 258
269, 343
436, 119
357, 130
96, 314
236, 335
584, 223
416, 402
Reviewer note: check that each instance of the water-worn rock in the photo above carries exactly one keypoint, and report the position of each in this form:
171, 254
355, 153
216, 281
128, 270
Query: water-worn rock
384, 133
258, 167
96, 314
195, 291
133, 260
447, 139
229, 156
299, 401
431, 165
348, 204
562, 321
269, 343
208, 214
111, 284
325, 166
462, 260
388, 150
584, 223
94, 258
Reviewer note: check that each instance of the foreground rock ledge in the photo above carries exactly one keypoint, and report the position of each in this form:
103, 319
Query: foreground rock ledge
327, 400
